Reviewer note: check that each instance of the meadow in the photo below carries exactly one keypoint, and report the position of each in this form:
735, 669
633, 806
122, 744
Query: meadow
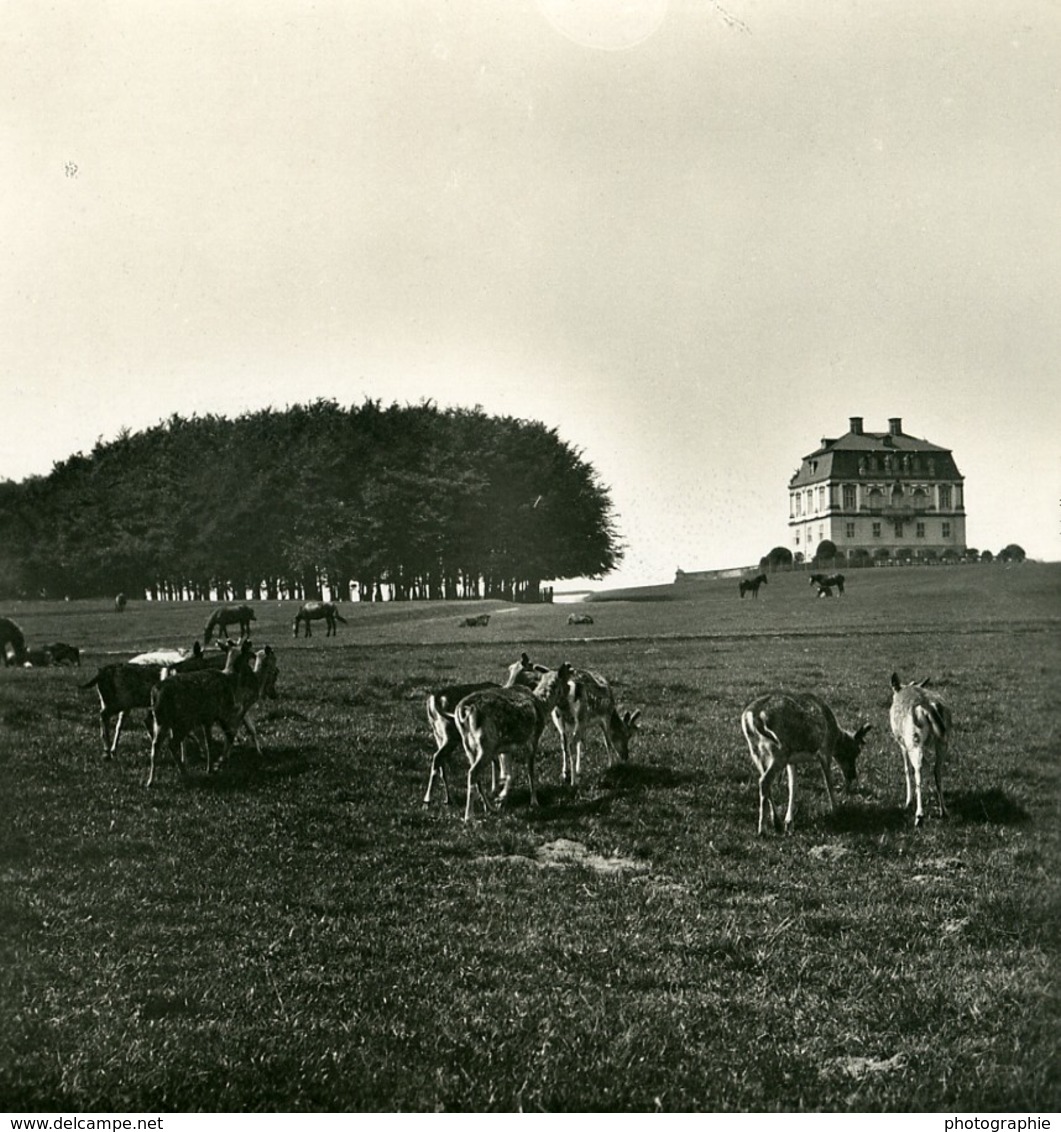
298, 933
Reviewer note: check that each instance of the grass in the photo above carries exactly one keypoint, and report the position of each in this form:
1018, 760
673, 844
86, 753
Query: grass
298, 933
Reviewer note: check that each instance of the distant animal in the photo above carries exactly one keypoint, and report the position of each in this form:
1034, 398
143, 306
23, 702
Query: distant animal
226, 615
119, 603
588, 700
921, 725
496, 724
475, 622
65, 654
826, 583
12, 643
326, 611
191, 701
579, 619
37, 658
783, 728
751, 585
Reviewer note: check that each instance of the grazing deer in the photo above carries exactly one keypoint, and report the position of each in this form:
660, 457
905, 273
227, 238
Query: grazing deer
921, 725
587, 700
751, 585
579, 619
495, 723
119, 603
783, 728
477, 622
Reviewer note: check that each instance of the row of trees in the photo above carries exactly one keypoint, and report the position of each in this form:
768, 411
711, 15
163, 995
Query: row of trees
422, 502
829, 555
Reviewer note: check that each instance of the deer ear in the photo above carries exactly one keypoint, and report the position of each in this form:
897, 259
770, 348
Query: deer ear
863, 731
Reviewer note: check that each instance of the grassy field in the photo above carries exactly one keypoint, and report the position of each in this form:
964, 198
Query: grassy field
298, 933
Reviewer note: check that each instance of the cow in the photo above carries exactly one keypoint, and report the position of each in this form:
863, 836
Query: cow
65, 654
12, 643
826, 583
751, 585
326, 611
476, 622
226, 615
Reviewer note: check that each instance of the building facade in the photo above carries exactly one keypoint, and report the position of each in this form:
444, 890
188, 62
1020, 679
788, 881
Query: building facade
883, 493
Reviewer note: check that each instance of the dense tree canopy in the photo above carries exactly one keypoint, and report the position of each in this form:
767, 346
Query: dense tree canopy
413, 500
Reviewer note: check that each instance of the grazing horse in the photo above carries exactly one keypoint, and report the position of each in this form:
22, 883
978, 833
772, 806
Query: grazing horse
826, 583
12, 643
226, 615
318, 611
752, 585
119, 603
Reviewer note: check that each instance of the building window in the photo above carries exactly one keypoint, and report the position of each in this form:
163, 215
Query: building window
920, 530
946, 530
876, 530
821, 532
944, 497
797, 538
898, 530
849, 530
821, 498
799, 503
850, 497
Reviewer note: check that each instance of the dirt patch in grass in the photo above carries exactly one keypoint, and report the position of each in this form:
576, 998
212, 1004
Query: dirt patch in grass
565, 854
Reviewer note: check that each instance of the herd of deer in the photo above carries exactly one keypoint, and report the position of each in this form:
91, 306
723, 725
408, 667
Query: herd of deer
495, 725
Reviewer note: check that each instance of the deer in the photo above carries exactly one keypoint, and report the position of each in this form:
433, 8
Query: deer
921, 726
588, 700
783, 728
440, 708
495, 723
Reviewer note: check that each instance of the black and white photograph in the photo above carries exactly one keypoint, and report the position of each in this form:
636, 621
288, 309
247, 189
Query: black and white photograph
530, 559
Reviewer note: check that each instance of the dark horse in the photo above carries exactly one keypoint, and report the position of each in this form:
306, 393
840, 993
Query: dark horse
826, 583
226, 615
751, 585
119, 603
12, 642
318, 611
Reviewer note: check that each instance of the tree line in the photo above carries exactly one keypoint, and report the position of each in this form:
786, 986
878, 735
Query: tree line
405, 502
828, 554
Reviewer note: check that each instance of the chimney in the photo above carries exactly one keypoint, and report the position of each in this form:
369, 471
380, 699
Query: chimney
856, 425
895, 426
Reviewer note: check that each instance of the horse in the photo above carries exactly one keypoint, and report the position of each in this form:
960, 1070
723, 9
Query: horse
318, 611
826, 583
752, 585
12, 643
226, 615
119, 603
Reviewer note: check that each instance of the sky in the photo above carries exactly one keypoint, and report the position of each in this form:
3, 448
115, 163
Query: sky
693, 236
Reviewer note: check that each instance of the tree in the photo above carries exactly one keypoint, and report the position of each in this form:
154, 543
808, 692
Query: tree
780, 558
987, 556
1011, 553
826, 551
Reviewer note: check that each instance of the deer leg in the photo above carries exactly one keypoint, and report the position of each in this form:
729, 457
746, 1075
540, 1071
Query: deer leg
937, 773
828, 784
790, 813
766, 805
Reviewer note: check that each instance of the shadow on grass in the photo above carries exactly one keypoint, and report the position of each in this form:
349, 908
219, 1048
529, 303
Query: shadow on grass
866, 819
245, 770
986, 807
635, 777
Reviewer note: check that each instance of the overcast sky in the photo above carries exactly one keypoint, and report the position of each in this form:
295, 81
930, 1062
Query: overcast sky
694, 237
